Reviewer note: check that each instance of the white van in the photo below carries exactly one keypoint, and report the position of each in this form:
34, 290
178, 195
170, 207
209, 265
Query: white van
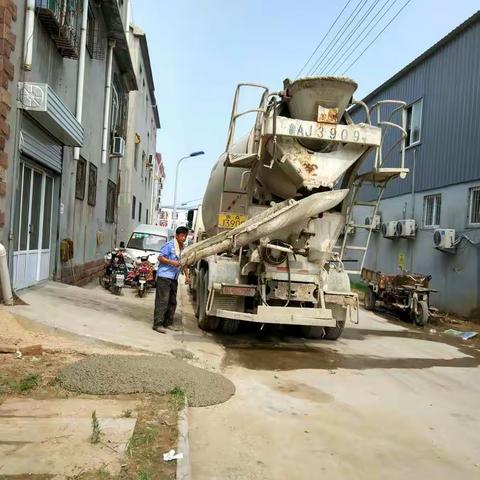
147, 240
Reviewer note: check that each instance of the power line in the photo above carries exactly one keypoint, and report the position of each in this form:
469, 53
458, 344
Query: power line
374, 40
323, 39
333, 56
339, 34
341, 60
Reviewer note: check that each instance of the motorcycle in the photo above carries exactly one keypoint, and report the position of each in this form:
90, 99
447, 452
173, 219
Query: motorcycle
115, 271
142, 276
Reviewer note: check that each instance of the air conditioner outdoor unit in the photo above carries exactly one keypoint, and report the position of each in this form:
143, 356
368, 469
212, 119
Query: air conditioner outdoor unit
444, 238
389, 229
406, 228
118, 147
376, 220
150, 161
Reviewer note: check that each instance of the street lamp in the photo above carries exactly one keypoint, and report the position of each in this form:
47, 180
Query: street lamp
174, 219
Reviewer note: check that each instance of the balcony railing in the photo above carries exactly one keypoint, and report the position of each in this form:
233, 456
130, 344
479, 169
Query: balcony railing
61, 19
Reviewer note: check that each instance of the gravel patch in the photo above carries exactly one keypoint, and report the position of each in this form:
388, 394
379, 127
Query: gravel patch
182, 354
120, 374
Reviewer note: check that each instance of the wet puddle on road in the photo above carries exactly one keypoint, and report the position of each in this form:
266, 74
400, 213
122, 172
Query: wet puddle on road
297, 355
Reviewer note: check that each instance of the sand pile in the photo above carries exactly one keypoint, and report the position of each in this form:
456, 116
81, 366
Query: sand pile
119, 374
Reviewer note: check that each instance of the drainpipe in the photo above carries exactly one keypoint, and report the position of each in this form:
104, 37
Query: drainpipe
28, 39
127, 21
81, 72
414, 161
108, 95
5, 277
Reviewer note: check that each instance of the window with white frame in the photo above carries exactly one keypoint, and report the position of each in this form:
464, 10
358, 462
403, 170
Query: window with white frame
474, 206
414, 122
432, 205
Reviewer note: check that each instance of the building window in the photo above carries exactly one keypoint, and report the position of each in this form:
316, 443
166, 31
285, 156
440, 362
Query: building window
80, 179
432, 205
140, 212
134, 207
111, 194
92, 184
146, 217
144, 156
414, 122
474, 206
90, 31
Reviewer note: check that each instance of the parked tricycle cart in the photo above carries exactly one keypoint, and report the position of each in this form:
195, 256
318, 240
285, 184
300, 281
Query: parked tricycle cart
406, 292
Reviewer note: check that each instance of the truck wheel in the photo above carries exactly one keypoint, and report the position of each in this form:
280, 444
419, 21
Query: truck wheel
205, 322
309, 331
230, 326
370, 299
421, 317
198, 296
333, 333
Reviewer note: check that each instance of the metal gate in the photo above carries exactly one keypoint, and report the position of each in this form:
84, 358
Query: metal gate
33, 224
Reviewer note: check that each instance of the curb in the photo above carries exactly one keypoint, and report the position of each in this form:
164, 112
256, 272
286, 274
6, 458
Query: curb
184, 469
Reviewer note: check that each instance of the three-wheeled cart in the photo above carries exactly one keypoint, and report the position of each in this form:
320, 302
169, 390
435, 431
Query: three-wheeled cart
406, 292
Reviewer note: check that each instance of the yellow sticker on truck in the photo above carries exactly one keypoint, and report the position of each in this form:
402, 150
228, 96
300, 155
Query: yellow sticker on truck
230, 220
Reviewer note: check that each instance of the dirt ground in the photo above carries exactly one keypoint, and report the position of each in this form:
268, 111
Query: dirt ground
35, 377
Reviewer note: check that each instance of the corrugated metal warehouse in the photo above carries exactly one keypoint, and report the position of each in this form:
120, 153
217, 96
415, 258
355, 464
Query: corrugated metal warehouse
442, 190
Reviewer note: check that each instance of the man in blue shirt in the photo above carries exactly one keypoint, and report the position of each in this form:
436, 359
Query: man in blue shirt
167, 281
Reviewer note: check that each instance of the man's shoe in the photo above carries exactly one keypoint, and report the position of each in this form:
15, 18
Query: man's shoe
159, 329
173, 328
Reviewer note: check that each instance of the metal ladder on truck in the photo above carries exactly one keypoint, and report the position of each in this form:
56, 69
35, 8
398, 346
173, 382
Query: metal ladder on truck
378, 177
244, 160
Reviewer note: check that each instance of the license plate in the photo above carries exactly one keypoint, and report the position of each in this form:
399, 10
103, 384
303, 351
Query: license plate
142, 282
120, 279
230, 220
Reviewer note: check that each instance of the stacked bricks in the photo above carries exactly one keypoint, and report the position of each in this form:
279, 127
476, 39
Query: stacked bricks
8, 14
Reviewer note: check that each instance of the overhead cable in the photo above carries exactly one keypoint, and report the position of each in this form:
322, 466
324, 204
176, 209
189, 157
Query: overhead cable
332, 56
375, 39
323, 39
338, 35
357, 43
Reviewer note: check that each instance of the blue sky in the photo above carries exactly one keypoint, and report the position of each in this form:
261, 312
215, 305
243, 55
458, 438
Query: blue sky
201, 49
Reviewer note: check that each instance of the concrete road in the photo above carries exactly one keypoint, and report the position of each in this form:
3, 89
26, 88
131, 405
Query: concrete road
383, 402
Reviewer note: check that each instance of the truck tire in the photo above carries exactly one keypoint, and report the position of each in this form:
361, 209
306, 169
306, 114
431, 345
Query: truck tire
333, 333
308, 331
199, 289
340, 315
205, 322
230, 326
421, 317
370, 299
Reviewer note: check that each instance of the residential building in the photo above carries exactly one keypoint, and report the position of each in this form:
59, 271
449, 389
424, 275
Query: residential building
158, 181
60, 148
139, 163
442, 190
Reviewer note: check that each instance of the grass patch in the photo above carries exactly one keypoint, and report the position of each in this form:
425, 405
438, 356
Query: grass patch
144, 475
28, 382
178, 397
141, 440
23, 385
360, 288
155, 433
96, 430
127, 413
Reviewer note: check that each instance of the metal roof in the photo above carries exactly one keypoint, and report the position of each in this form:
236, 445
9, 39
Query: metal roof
443, 41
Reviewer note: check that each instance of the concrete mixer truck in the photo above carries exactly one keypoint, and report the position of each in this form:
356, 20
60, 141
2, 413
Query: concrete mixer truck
272, 243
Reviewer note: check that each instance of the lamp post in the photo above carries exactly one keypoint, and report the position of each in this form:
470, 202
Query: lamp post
174, 219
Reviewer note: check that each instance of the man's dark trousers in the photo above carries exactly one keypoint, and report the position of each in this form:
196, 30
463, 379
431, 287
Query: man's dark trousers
165, 302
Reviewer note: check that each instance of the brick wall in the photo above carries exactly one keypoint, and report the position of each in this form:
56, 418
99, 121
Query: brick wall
81, 274
8, 15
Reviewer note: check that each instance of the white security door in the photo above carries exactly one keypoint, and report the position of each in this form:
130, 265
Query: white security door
31, 257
